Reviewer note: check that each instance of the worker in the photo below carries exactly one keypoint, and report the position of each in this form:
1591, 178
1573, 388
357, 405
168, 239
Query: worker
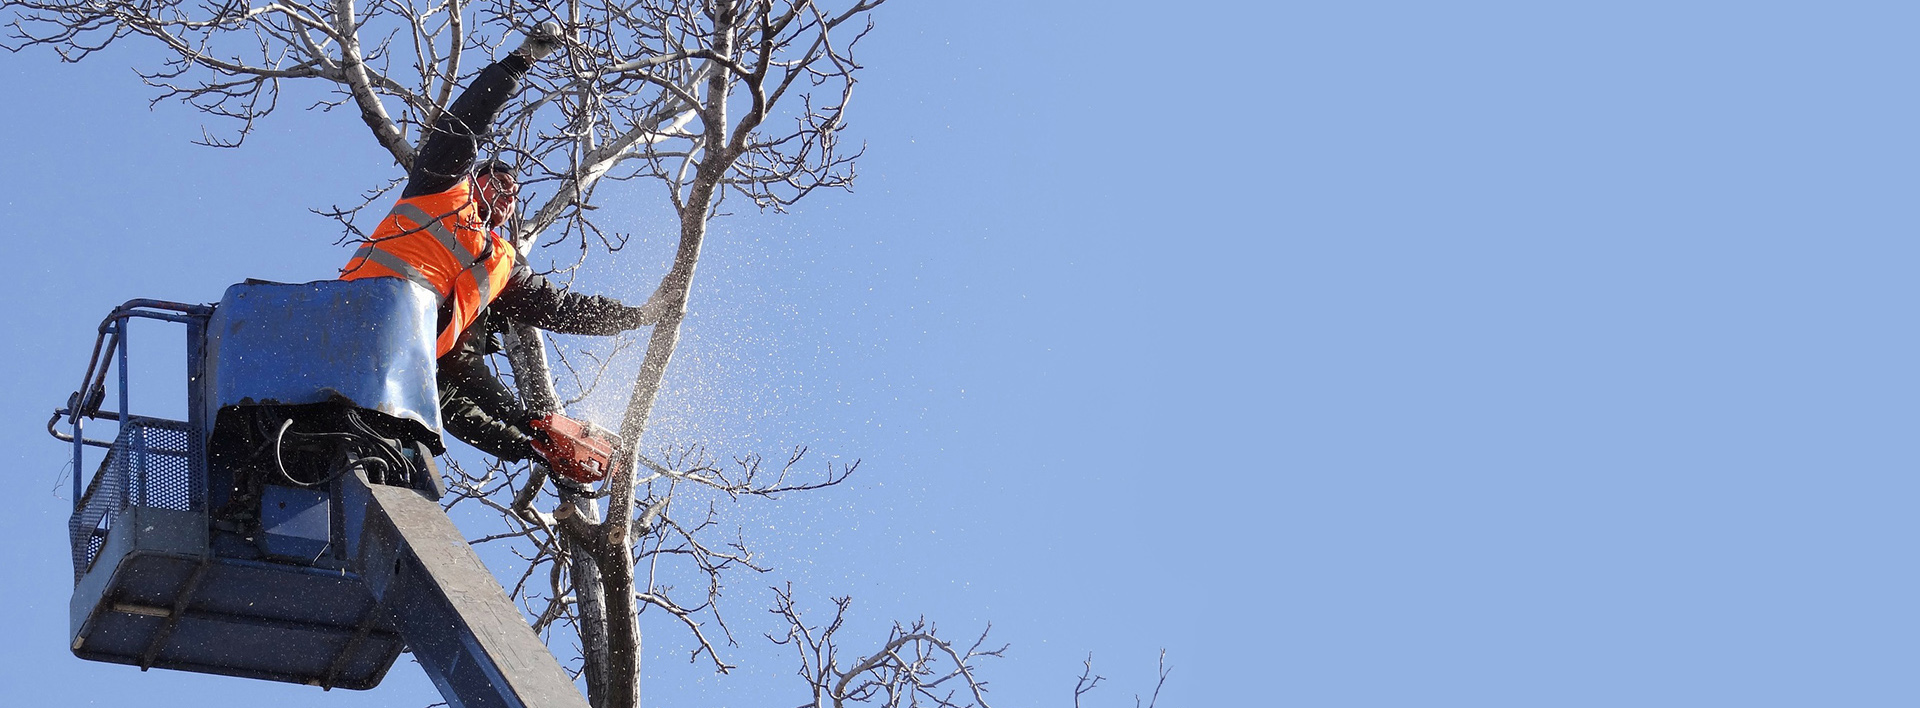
440, 236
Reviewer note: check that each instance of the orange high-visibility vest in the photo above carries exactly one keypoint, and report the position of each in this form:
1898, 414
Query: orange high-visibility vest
438, 241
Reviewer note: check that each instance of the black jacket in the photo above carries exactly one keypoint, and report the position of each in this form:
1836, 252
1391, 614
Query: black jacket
474, 405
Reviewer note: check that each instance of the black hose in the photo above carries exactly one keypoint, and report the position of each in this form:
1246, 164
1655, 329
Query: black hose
367, 449
279, 441
395, 459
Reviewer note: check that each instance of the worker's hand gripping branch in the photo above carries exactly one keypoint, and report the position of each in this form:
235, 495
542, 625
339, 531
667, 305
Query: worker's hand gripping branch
542, 41
650, 313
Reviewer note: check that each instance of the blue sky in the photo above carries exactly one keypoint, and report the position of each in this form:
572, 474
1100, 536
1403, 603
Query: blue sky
1370, 354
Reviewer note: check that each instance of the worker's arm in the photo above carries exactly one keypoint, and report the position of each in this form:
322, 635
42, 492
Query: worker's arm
475, 406
530, 298
454, 139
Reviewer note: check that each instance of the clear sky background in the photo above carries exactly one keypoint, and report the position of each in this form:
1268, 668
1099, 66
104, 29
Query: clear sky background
1357, 354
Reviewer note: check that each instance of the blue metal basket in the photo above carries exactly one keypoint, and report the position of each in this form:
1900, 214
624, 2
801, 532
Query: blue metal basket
157, 582
197, 547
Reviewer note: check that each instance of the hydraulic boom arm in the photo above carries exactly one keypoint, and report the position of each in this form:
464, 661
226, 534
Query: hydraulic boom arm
457, 620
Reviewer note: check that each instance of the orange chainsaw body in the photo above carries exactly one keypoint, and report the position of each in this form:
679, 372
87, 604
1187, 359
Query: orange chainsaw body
577, 450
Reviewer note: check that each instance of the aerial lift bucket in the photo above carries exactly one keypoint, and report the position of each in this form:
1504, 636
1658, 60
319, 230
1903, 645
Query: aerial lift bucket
287, 530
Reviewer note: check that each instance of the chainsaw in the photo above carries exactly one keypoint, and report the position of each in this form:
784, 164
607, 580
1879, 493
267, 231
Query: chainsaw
577, 450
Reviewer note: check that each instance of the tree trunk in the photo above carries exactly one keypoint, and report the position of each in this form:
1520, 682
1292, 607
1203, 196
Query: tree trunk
527, 352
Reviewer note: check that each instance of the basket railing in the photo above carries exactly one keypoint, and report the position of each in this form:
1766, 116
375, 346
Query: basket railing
151, 462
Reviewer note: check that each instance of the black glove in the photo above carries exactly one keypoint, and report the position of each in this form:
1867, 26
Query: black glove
637, 317
538, 441
541, 41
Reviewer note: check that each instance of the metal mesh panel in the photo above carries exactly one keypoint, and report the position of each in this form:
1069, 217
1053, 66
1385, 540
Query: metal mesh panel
88, 528
151, 464
162, 468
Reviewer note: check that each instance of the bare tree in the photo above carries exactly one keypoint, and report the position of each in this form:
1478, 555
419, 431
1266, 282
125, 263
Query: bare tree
913, 667
706, 99
1089, 680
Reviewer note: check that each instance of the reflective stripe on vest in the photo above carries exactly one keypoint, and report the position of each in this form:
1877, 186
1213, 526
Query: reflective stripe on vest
398, 265
475, 266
